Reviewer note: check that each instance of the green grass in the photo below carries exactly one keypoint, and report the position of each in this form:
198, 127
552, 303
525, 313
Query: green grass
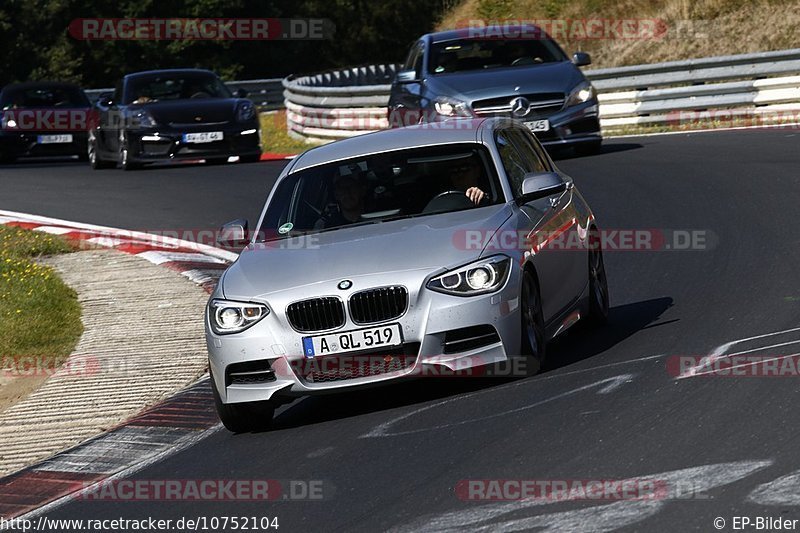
39, 314
275, 139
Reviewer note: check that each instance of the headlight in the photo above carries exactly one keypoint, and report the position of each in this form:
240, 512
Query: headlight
583, 92
232, 317
246, 112
10, 123
480, 277
143, 119
450, 107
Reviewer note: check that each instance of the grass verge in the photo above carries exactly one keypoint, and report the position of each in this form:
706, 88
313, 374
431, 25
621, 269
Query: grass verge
39, 314
275, 139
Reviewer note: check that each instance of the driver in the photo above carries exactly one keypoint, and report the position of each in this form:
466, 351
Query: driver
464, 176
349, 192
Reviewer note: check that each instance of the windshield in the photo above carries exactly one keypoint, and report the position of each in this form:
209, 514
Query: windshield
33, 97
146, 89
382, 187
472, 54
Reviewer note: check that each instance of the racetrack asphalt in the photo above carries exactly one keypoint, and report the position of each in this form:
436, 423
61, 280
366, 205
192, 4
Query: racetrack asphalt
605, 408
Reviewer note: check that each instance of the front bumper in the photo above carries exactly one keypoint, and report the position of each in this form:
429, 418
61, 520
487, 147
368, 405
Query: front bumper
26, 144
573, 125
428, 317
164, 144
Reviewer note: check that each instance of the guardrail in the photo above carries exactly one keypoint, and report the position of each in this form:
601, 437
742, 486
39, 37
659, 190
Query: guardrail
267, 94
350, 102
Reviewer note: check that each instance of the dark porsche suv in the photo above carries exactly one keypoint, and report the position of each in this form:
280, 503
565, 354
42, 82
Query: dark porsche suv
517, 72
166, 115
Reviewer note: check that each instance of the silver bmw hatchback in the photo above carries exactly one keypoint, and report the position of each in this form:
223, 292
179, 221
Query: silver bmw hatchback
455, 248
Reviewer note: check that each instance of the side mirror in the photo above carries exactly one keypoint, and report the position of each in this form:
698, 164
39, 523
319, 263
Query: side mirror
233, 234
581, 59
105, 99
240, 93
541, 184
406, 76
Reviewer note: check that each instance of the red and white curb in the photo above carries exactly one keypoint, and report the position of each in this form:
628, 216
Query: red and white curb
162, 430
199, 262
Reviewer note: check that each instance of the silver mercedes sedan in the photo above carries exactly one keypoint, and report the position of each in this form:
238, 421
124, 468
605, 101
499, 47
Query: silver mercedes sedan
455, 248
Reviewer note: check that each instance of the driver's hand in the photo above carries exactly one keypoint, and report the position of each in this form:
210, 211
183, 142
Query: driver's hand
475, 195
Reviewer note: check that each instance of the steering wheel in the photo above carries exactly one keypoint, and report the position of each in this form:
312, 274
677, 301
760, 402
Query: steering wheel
445, 193
200, 94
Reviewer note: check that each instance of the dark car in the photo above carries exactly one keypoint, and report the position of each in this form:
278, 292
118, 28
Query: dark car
168, 115
43, 119
517, 72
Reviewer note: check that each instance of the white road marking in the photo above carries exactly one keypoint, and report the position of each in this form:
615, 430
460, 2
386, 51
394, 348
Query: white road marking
159, 257
720, 352
782, 491
597, 518
606, 385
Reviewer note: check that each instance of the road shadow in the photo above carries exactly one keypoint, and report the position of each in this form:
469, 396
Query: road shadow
563, 154
580, 343
587, 341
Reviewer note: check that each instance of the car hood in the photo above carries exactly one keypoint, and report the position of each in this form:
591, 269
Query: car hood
427, 243
193, 111
478, 85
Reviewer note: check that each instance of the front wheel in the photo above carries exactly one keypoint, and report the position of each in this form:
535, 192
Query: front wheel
243, 417
94, 160
125, 161
533, 333
253, 158
598, 282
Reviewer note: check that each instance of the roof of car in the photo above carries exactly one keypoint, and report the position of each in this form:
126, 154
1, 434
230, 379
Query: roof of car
451, 131
169, 71
476, 32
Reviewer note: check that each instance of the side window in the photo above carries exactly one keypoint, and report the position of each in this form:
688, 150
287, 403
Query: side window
528, 149
414, 59
513, 163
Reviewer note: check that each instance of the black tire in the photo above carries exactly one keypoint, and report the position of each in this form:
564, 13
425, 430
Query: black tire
598, 281
124, 161
588, 148
243, 417
7, 159
533, 344
217, 161
94, 160
255, 158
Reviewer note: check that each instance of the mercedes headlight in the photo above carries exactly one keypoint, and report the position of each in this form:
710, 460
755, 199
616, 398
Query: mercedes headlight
480, 277
450, 107
583, 92
226, 317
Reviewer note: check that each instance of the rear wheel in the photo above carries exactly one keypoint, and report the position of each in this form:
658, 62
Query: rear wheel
6, 158
598, 282
243, 417
249, 158
533, 334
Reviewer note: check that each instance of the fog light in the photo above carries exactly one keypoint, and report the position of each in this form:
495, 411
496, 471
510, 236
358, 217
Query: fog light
452, 281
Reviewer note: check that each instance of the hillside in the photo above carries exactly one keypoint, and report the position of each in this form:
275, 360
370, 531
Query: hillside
693, 28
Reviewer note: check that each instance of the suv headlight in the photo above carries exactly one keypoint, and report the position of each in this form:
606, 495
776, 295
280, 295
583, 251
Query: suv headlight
450, 107
583, 92
226, 317
143, 119
480, 277
245, 112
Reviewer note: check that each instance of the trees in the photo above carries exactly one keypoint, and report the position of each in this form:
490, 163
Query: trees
36, 44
